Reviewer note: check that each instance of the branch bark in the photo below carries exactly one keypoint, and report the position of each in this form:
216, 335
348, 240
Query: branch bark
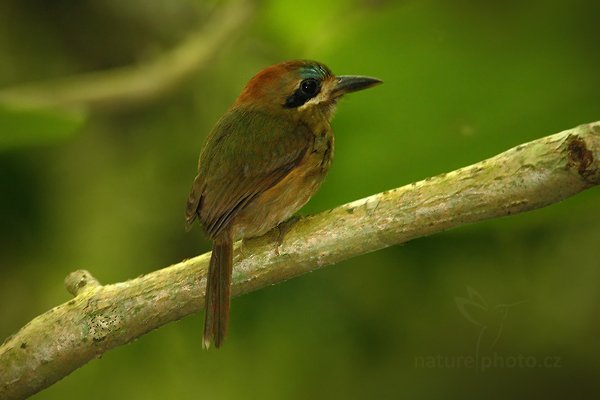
100, 318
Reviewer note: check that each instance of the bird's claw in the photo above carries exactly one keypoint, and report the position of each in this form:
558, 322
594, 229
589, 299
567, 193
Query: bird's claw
283, 228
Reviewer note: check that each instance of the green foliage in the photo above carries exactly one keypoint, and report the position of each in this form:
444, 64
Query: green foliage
25, 127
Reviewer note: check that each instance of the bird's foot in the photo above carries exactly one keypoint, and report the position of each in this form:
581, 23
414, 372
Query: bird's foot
283, 228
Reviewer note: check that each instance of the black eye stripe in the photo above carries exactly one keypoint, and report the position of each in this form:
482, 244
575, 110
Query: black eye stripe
307, 89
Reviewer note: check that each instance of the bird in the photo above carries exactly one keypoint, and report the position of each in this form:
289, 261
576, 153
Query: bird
264, 159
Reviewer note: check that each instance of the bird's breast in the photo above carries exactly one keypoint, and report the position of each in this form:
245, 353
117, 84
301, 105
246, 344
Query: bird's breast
281, 201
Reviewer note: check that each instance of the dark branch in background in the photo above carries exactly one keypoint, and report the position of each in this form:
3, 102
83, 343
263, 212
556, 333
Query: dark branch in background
100, 318
133, 85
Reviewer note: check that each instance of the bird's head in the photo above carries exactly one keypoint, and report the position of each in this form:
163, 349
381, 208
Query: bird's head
299, 88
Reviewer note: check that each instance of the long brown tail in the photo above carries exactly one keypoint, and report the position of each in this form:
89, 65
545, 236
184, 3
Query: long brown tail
218, 291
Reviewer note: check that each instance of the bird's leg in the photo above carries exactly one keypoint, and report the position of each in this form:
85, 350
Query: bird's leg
283, 228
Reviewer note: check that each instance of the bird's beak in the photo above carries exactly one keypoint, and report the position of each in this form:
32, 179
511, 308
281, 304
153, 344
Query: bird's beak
352, 83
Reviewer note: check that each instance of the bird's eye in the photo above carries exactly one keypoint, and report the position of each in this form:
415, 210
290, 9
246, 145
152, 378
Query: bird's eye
309, 87
307, 90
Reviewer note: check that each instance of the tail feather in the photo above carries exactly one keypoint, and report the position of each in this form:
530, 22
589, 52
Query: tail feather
218, 291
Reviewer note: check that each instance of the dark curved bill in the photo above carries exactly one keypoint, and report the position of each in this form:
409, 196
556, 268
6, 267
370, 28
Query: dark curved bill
352, 83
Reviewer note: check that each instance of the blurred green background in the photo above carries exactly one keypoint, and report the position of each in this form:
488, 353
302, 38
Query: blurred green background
104, 188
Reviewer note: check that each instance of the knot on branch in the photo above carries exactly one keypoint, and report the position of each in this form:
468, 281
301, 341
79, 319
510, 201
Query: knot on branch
581, 159
79, 281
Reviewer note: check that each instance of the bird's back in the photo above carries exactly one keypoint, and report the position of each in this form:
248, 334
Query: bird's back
254, 161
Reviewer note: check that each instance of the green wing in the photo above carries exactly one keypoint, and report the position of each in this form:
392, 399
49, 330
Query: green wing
247, 153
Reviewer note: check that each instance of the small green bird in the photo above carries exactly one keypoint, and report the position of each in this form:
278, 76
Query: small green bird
261, 163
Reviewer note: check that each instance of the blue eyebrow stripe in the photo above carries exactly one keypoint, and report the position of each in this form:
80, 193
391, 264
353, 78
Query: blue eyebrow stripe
314, 71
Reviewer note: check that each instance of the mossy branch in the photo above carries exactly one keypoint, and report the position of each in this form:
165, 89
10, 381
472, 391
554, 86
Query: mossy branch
100, 318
